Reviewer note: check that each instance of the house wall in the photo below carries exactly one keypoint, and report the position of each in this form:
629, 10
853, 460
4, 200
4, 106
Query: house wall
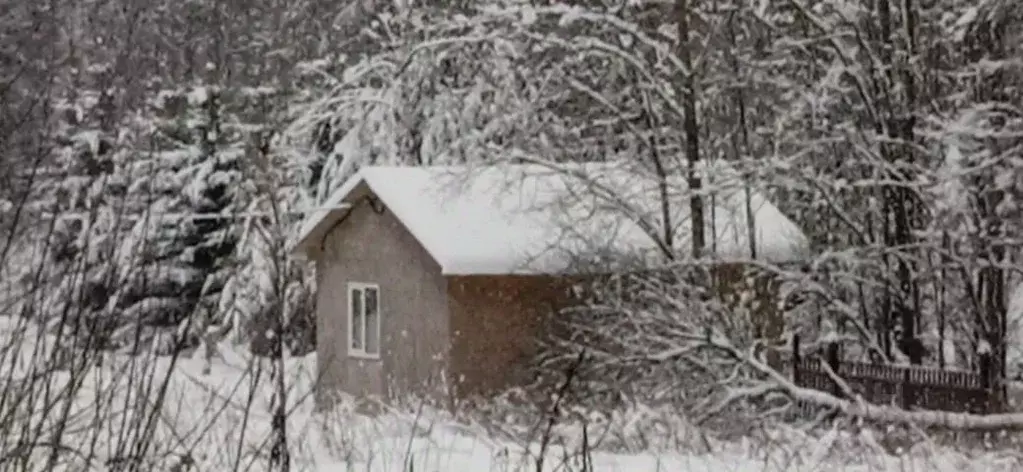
376, 248
497, 319
495, 323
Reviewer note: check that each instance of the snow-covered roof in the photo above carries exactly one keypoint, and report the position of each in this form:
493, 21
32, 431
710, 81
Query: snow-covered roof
534, 218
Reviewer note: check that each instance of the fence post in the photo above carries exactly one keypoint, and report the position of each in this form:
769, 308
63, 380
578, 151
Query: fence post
832, 358
908, 397
985, 382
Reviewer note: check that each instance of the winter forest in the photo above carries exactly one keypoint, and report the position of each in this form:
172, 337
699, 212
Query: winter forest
157, 159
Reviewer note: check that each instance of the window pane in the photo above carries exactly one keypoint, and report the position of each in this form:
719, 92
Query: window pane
372, 322
355, 315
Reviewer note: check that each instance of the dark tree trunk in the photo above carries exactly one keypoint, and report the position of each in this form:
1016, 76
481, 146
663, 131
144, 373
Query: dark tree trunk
690, 126
899, 200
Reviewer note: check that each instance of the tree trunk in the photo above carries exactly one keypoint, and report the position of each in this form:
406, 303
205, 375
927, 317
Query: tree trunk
899, 200
690, 126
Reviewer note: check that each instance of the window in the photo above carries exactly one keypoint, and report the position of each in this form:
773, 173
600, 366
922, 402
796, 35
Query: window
363, 320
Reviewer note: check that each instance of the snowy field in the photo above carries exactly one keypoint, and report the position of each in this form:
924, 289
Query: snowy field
221, 420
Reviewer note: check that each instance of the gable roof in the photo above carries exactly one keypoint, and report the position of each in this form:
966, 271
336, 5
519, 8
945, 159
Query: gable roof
532, 218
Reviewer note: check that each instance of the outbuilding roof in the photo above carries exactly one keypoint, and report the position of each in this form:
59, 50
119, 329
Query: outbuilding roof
538, 218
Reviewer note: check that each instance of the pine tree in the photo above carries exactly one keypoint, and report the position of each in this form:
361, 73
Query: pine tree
213, 193
188, 233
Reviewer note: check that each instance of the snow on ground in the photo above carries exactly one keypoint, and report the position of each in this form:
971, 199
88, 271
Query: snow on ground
344, 440
205, 417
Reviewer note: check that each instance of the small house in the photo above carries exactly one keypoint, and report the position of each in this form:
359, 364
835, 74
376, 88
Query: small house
438, 279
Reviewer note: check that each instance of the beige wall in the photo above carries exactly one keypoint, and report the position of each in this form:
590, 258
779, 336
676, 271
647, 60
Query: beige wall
376, 248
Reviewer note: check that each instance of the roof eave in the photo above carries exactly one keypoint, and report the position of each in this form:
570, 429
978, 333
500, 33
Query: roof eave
303, 247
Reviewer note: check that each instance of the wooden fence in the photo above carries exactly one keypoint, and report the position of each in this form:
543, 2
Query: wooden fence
908, 387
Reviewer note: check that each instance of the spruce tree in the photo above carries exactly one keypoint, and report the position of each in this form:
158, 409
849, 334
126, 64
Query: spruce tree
214, 195
189, 233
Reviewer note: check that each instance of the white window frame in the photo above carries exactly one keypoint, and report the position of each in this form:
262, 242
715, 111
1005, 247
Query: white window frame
359, 288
